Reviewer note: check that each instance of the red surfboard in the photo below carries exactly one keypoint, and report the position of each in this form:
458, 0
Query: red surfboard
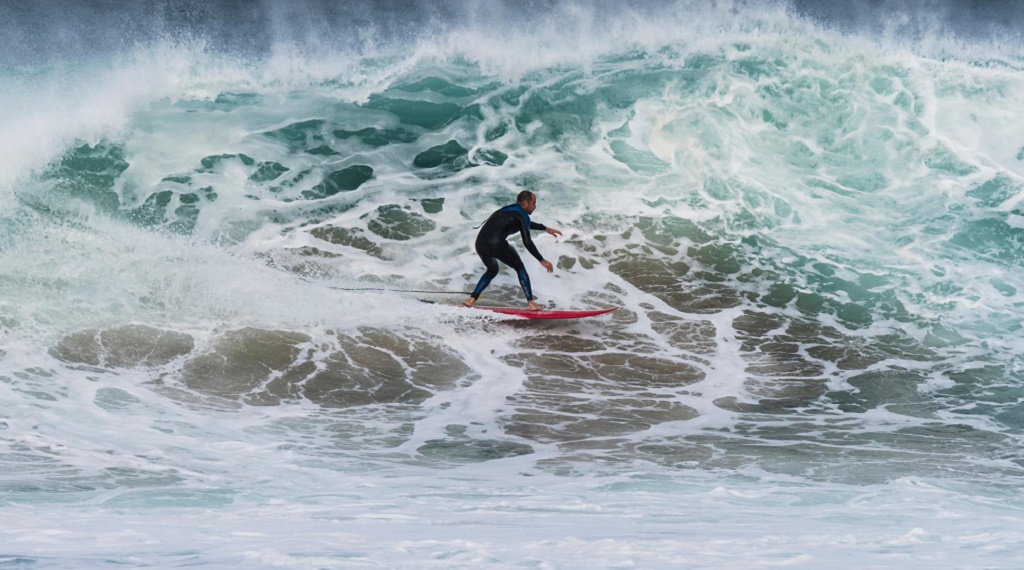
546, 314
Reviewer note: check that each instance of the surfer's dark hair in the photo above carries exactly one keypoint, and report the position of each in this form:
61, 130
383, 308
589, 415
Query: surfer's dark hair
524, 196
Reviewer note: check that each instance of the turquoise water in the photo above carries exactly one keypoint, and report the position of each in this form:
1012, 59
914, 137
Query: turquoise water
210, 354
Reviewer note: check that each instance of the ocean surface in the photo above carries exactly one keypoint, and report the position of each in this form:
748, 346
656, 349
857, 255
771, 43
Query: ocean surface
234, 239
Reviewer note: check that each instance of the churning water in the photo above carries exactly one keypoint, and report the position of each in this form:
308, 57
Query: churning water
211, 217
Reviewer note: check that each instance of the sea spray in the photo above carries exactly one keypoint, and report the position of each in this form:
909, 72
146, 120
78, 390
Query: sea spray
206, 357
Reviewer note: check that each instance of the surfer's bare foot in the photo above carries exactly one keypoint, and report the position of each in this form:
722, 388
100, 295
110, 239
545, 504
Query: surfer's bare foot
469, 302
534, 306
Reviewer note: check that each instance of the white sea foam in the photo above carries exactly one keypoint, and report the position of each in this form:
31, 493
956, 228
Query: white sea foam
812, 238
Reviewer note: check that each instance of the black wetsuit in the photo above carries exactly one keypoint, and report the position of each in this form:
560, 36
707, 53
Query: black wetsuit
492, 247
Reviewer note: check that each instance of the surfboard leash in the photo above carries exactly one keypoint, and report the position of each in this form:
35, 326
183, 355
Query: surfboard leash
398, 290
384, 289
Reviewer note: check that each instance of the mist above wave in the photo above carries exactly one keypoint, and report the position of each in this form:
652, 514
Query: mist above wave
40, 32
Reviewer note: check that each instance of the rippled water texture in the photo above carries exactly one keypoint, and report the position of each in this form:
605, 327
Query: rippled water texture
231, 267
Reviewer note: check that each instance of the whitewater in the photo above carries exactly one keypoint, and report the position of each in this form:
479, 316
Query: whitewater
234, 240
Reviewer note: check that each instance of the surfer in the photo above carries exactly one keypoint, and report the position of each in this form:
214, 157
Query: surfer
492, 247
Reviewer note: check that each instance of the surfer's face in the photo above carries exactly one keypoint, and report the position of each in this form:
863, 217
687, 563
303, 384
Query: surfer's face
530, 205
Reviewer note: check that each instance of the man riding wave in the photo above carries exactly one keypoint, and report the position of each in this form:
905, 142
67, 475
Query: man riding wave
491, 245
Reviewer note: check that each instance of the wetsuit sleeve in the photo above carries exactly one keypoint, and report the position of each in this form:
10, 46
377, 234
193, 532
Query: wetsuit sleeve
524, 230
535, 226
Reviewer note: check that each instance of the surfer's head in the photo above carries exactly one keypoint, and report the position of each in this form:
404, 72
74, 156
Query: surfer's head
528, 200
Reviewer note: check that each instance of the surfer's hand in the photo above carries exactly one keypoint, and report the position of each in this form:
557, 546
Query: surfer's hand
553, 232
547, 265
